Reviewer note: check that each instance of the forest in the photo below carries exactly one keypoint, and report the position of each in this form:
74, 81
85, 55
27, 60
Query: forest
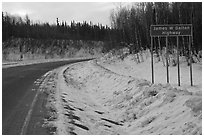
130, 27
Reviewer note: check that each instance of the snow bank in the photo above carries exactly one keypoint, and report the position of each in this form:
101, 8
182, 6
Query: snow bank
91, 99
129, 67
29, 62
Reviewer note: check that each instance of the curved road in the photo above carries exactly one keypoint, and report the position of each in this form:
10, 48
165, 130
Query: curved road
17, 95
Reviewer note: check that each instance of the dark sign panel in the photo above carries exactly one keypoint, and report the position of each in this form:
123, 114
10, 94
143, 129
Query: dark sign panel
171, 30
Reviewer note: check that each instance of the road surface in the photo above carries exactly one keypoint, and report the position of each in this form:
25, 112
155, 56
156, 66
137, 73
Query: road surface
17, 97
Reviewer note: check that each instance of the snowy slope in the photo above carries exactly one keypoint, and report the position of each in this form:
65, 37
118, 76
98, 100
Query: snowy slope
91, 99
142, 70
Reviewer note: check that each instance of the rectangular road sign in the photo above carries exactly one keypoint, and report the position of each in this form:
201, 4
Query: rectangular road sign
171, 30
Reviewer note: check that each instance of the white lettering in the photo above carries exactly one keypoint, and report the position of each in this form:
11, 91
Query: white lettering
171, 28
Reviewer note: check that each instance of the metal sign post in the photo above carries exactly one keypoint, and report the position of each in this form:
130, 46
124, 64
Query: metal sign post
177, 39
167, 64
169, 31
190, 55
152, 61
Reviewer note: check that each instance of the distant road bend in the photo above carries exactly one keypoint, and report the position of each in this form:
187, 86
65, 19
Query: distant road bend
17, 84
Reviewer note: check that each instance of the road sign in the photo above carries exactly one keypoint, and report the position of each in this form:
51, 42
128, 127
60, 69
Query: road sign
171, 30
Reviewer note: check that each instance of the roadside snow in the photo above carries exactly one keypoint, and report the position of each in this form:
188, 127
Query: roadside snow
29, 62
129, 67
88, 98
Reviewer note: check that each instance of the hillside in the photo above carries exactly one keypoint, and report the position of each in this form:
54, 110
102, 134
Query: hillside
19, 49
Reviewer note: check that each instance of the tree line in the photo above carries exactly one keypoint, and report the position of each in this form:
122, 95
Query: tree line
15, 26
129, 26
133, 23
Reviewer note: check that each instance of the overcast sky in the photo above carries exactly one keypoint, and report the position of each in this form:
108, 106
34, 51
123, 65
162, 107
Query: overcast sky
66, 11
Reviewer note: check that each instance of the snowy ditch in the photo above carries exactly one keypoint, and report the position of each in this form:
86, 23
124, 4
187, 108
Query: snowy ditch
87, 98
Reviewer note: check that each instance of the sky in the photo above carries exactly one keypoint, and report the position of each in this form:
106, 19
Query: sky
96, 12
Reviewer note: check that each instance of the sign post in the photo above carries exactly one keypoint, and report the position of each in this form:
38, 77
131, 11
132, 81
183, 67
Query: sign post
167, 64
177, 39
152, 63
190, 56
169, 31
